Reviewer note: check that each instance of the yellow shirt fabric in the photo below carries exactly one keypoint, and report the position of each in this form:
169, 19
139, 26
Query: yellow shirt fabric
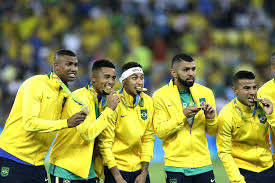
33, 120
73, 148
268, 91
128, 139
243, 143
183, 147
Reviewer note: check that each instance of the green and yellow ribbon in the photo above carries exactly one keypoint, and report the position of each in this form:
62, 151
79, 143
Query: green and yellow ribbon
64, 87
257, 107
90, 87
138, 100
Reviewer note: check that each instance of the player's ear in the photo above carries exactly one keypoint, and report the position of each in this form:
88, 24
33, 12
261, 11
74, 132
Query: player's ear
173, 73
55, 67
235, 89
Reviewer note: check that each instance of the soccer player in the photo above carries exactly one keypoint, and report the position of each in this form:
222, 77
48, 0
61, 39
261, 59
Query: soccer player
184, 113
127, 143
268, 91
243, 138
71, 157
33, 120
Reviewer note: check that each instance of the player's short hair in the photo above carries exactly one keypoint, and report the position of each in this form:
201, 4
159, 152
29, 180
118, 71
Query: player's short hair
98, 64
63, 52
130, 65
242, 75
181, 57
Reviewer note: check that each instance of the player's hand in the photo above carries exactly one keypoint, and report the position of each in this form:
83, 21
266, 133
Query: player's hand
209, 112
120, 180
190, 111
76, 119
267, 105
112, 101
141, 178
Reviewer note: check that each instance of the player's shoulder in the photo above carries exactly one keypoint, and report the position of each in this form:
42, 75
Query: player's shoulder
37, 79
227, 110
162, 91
80, 91
269, 84
147, 98
202, 88
83, 94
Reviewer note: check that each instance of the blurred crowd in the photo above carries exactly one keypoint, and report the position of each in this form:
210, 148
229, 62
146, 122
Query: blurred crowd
221, 35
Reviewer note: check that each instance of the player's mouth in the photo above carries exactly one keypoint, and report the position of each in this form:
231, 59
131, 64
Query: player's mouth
251, 99
141, 89
108, 89
191, 79
72, 75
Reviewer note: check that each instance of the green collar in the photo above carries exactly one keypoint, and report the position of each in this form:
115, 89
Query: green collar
184, 91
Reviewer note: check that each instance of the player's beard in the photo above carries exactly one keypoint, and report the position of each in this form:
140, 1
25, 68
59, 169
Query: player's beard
185, 83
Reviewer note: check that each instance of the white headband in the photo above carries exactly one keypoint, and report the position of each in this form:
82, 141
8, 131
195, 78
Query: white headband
129, 72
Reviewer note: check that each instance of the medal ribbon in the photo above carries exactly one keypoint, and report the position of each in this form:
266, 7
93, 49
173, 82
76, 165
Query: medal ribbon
64, 87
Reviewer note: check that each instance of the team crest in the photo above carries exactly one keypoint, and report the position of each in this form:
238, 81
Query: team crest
202, 101
5, 171
66, 181
173, 180
143, 114
262, 119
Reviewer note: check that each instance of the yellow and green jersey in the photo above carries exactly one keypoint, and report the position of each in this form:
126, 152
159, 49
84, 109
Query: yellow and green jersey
128, 139
268, 91
34, 118
184, 145
187, 100
74, 149
243, 139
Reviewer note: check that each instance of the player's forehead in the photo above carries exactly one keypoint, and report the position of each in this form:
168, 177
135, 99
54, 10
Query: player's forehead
185, 64
107, 70
66, 58
247, 82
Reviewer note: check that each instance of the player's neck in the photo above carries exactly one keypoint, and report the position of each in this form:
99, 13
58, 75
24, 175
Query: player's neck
181, 86
129, 93
98, 92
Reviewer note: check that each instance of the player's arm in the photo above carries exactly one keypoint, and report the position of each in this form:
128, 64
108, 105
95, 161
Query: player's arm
162, 126
262, 93
211, 123
91, 127
224, 146
269, 111
144, 172
118, 177
106, 140
32, 98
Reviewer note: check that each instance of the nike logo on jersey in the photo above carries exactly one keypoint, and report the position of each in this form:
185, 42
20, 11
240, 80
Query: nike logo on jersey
212, 180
